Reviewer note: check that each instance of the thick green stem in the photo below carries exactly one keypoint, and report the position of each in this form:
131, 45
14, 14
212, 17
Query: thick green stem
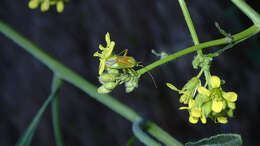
242, 35
246, 9
189, 22
68, 75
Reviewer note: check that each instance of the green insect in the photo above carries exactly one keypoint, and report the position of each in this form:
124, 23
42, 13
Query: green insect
122, 62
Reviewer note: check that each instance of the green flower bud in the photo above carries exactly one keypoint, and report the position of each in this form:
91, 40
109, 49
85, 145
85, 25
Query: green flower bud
45, 5
107, 77
113, 71
206, 108
129, 89
60, 6
131, 83
230, 113
110, 85
103, 90
192, 84
124, 77
33, 4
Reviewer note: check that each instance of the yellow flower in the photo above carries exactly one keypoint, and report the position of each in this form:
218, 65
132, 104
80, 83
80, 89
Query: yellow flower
195, 115
217, 106
107, 52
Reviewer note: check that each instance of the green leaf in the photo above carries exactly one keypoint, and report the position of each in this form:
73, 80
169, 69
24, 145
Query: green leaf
218, 140
26, 138
131, 141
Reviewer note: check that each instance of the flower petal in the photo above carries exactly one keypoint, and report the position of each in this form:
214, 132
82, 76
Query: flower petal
96, 54
193, 120
191, 103
203, 119
183, 108
203, 91
222, 120
101, 67
215, 82
109, 50
107, 37
230, 96
195, 112
101, 47
217, 106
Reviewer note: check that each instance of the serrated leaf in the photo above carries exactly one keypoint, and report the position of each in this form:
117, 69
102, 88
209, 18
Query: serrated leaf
218, 140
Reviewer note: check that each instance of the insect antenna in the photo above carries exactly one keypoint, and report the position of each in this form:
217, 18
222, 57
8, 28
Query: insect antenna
150, 74
152, 79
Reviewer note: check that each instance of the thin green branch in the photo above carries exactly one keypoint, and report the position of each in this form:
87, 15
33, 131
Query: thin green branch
79, 82
189, 22
250, 12
56, 121
242, 35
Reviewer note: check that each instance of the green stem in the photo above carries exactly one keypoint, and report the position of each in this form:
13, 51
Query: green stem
189, 22
247, 10
56, 121
68, 75
161, 135
142, 136
244, 34
25, 140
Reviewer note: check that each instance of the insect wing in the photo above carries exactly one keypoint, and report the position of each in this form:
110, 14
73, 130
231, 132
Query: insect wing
126, 61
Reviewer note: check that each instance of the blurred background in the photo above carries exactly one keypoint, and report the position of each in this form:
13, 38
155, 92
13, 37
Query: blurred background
74, 35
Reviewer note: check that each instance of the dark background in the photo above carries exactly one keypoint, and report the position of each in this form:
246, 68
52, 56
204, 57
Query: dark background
139, 25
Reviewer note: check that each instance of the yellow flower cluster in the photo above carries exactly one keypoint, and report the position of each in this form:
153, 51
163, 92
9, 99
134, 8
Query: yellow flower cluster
45, 4
211, 103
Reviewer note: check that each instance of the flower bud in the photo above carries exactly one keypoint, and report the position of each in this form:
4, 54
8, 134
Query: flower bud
110, 85
33, 4
113, 71
60, 6
230, 113
45, 5
103, 90
191, 84
106, 77
206, 108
